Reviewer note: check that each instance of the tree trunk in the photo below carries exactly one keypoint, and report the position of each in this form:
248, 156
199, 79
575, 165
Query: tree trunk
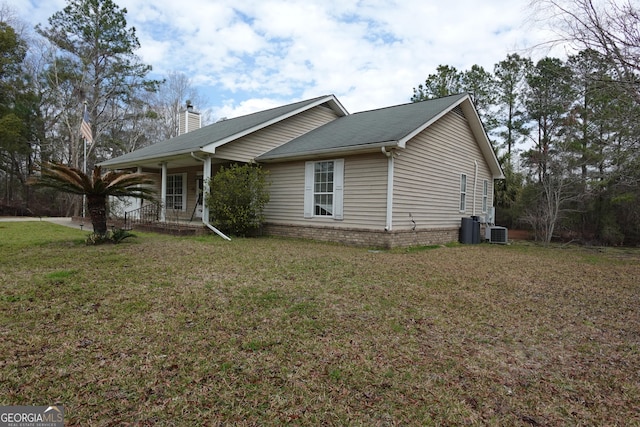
97, 206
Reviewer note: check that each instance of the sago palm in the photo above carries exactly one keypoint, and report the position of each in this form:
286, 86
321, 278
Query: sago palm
97, 187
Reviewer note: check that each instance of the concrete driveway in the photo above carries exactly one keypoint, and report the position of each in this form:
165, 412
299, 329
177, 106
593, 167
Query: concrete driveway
67, 222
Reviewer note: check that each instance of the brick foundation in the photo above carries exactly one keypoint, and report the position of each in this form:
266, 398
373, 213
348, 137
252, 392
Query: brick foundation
364, 237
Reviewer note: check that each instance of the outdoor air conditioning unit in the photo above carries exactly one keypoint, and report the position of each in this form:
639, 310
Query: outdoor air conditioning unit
495, 234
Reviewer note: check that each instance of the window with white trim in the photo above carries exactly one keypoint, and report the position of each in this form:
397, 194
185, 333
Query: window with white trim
324, 189
176, 191
463, 192
485, 195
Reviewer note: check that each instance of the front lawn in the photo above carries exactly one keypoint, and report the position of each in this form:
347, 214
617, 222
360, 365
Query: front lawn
164, 330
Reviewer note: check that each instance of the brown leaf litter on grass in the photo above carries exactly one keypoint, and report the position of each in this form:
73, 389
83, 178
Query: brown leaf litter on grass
196, 331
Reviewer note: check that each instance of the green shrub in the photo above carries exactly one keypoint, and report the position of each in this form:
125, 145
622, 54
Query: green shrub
237, 199
116, 236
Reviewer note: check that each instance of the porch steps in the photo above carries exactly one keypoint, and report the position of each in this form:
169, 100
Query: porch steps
173, 228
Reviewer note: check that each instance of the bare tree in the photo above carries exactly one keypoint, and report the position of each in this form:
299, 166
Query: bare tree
610, 27
9, 16
555, 193
170, 100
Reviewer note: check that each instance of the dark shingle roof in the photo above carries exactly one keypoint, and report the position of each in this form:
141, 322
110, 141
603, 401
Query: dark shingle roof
219, 131
365, 129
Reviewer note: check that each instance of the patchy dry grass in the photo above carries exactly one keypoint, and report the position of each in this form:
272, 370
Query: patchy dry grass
197, 331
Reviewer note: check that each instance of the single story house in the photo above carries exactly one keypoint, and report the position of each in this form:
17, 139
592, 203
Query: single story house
396, 176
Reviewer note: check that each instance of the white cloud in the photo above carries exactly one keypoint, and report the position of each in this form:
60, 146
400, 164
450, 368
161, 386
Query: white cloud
258, 54
231, 109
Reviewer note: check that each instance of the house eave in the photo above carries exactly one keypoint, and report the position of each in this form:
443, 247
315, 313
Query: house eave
340, 151
153, 161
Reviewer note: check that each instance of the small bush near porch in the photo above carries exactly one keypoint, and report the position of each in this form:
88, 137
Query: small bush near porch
164, 330
238, 196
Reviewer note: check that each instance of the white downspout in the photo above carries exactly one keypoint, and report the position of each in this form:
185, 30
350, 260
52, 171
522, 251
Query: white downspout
163, 192
206, 176
215, 230
475, 180
389, 221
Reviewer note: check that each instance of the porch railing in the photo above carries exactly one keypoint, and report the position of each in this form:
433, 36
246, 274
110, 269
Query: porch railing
147, 214
150, 216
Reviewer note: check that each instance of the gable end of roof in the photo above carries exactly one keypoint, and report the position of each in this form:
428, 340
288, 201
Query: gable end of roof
331, 100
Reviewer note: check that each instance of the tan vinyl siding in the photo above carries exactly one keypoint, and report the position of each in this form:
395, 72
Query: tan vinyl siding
365, 190
247, 148
193, 121
427, 176
188, 121
286, 193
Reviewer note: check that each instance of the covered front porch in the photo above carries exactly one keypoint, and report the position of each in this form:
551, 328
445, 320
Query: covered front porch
181, 183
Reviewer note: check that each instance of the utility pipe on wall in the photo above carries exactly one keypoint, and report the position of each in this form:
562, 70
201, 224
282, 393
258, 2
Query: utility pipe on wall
475, 180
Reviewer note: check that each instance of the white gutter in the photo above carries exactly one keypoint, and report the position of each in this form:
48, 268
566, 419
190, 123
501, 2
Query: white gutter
206, 175
343, 151
390, 156
196, 157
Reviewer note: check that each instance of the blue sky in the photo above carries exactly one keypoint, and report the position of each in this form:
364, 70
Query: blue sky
247, 55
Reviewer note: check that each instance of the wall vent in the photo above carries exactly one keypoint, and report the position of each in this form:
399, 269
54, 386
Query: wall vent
458, 110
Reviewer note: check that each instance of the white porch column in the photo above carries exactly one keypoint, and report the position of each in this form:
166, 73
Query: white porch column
163, 192
206, 175
140, 200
